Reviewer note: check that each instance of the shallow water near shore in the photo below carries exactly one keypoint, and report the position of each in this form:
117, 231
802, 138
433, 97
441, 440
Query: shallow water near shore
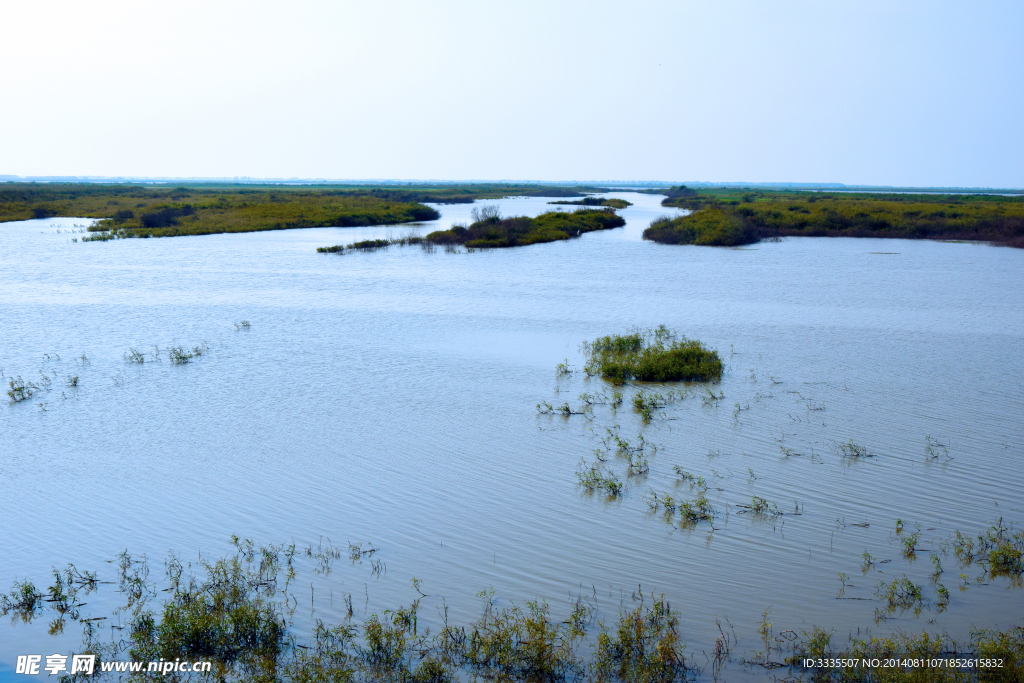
390, 398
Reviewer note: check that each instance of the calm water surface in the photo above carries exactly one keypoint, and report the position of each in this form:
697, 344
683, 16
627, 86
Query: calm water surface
390, 398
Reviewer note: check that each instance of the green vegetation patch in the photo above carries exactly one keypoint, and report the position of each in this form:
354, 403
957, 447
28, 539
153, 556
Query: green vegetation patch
727, 217
652, 356
490, 230
597, 201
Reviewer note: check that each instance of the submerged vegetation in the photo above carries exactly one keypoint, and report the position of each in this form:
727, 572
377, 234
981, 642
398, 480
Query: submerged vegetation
652, 356
929, 654
730, 217
611, 202
236, 612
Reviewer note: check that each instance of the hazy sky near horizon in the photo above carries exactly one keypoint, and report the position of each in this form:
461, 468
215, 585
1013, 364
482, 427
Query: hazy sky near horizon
893, 93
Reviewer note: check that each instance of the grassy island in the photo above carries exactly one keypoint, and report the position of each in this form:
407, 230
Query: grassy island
597, 201
657, 355
729, 217
159, 211
489, 229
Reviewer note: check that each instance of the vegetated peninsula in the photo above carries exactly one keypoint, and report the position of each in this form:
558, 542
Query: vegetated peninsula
148, 211
612, 202
731, 217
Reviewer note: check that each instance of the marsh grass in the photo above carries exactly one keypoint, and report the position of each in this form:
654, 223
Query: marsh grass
998, 548
934, 449
656, 355
692, 512
681, 474
24, 600
760, 506
238, 612
909, 543
853, 450
1007, 646
565, 410
645, 647
180, 355
523, 643
594, 479
235, 612
901, 594
646, 403
19, 390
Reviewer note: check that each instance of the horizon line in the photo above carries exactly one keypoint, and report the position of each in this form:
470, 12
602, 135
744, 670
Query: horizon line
251, 180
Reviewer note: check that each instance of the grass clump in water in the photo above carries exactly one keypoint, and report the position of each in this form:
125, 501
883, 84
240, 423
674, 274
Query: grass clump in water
593, 479
24, 600
901, 594
180, 355
652, 356
931, 650
230, 617
853, 450
644, 647
692, 512
524, 644
999, 548
760, 506
20, 390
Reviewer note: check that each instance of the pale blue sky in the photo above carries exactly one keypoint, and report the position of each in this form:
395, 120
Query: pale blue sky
895, 93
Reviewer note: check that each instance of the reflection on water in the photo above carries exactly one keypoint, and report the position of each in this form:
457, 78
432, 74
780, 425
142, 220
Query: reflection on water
390, 398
